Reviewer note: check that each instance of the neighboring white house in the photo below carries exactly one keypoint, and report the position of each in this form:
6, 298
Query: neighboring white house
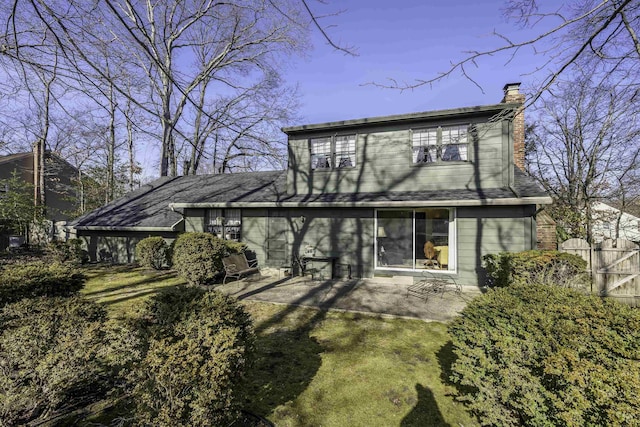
612, 223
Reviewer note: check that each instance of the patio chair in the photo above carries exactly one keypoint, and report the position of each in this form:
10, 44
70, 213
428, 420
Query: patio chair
237, 265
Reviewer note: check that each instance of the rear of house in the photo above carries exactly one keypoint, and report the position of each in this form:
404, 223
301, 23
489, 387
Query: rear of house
392, 195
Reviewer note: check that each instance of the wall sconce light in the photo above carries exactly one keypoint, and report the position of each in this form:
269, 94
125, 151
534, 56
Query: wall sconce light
302, 219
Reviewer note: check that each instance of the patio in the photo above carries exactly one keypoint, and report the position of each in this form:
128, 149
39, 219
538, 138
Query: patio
386, 296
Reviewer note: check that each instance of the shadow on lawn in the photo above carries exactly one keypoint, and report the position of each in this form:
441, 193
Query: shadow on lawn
150, 279
288, 358
426, 412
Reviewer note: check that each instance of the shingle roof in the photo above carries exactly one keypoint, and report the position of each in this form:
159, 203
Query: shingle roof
10, 157
148, 206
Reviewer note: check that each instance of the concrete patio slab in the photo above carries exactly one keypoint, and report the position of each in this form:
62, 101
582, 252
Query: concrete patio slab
381, 296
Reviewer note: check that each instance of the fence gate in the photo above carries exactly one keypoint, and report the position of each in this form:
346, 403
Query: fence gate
614, 265
617, 269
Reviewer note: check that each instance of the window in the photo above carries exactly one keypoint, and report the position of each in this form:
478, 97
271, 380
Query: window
333, 152
440, 144
224, 223
420, 239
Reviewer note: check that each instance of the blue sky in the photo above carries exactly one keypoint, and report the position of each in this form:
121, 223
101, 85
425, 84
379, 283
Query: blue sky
404, 40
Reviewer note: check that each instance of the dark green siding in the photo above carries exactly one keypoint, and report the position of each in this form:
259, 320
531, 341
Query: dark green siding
384, 163
486, 230
348, 234
117, 247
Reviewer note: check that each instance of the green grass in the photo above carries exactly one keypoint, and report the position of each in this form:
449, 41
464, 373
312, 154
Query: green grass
315, 368
122, 289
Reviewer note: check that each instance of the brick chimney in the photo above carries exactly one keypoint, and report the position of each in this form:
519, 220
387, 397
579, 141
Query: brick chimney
512, 95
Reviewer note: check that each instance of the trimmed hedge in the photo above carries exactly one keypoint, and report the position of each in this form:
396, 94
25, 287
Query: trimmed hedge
546, 355
198, 344
545, 267
19, 281
57, 354
197, 257
152, 252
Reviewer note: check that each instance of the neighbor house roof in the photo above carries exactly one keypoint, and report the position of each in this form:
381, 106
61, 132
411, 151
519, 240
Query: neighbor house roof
11, 157
155, 206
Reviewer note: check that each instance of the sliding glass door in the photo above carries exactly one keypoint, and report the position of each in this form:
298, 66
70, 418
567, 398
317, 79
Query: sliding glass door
415, 239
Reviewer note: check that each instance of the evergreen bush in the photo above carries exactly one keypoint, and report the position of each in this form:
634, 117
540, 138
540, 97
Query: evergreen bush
197, 257
68, 252
535, 266
19, 281
57, 354
545, 355
198, 344
152, 252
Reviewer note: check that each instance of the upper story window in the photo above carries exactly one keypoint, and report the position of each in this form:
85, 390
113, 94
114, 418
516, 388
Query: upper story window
224, 223
440, 144
333, 152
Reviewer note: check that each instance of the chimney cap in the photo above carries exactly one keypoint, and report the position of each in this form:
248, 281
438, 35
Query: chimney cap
512, 88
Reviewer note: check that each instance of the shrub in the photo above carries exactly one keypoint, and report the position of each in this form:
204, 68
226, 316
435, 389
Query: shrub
546, 355
70, 251
545, 267
57, 354
36, 279
197, 352
152, 252
197, 257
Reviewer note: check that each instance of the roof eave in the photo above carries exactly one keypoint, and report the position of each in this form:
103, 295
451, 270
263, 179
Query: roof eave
118, 228
543, 200
401, 118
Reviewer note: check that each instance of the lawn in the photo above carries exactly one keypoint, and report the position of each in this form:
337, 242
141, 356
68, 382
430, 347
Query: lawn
316, 368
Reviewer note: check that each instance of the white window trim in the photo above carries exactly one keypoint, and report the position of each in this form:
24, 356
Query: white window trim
453, 243
223, 222
333, 161
439, 145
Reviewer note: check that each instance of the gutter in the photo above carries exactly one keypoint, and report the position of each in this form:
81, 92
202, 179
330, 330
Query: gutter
116, 228
544, 200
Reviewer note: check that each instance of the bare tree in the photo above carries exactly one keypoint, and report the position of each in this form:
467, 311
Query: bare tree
602, 32
585, 148
246, 123
236, 40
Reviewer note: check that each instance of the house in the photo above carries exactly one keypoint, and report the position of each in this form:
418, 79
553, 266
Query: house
392, 195
612, 223
60, 189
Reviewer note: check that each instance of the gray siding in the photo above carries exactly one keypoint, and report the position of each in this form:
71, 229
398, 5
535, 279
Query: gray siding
384, 163
117, 247
348, 234
194, 220
487, 230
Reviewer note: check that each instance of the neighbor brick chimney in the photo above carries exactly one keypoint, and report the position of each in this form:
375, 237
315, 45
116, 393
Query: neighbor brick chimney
512, 95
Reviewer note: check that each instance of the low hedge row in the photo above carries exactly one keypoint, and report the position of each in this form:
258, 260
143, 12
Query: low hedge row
179, 364
545, 355
546, 267
57, 354
68, 252
19, 281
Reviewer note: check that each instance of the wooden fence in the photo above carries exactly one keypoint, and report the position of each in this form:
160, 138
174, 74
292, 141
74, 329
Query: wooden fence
614, 266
